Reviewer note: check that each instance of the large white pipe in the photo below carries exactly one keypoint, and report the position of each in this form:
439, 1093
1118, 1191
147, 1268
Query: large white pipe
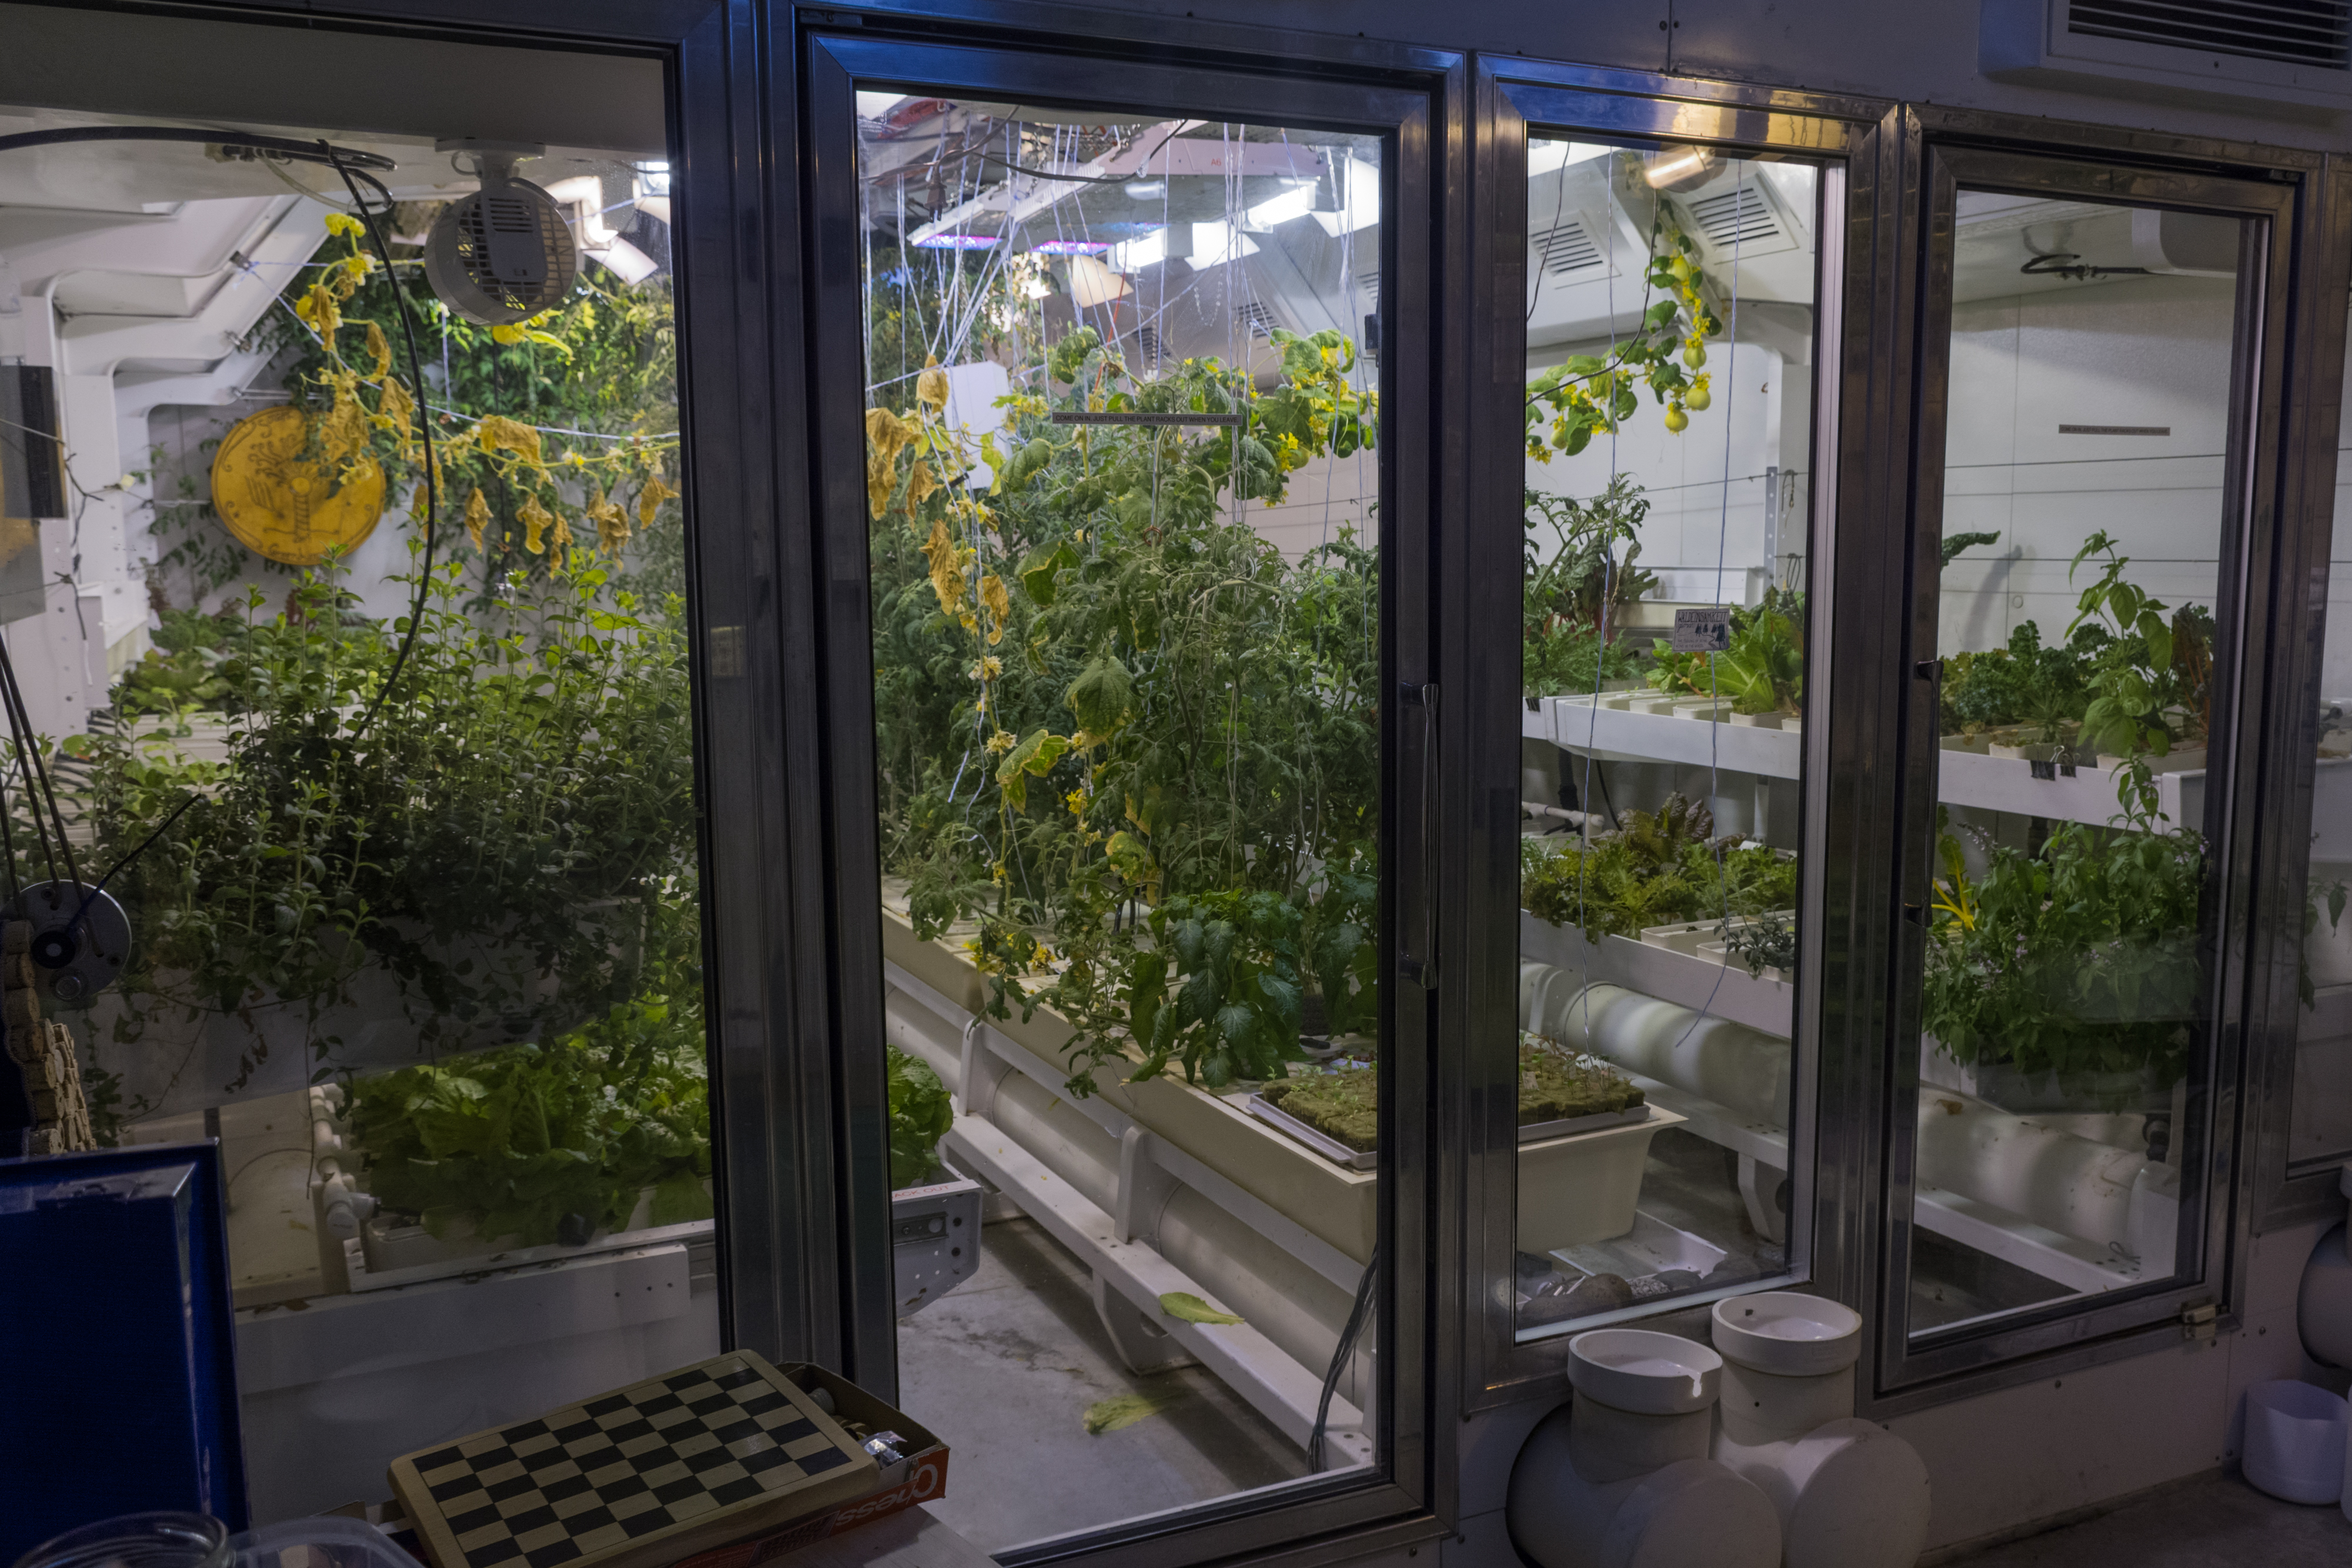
2070, 1184
1742, 1069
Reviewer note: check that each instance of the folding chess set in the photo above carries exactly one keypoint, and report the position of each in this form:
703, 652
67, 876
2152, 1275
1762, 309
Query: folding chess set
647, 1474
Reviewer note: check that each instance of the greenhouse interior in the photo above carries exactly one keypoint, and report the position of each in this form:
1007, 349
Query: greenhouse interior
615, 944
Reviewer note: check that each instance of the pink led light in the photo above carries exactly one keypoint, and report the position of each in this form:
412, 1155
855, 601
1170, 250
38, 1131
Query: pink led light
957, 242
1070, 247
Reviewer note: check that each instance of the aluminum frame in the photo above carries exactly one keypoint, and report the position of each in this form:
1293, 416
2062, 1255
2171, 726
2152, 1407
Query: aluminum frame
1847, 136
1908, 1371
1412, 102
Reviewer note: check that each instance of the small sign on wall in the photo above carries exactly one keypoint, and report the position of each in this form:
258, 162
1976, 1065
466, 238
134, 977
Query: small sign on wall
1702, 628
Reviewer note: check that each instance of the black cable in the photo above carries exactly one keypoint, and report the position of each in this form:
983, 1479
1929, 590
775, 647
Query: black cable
1340, 1354
283, 147
424, 425
29, 752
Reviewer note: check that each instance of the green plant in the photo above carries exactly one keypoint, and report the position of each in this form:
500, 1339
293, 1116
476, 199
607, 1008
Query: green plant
1769, 942
2078, 960
1661, 869
183, 670
920, 1115
1573, 595
2150, 682
511, 1141
2024, 683
511, 839
1099, 692
1590, 394
1762, 671
1952, 545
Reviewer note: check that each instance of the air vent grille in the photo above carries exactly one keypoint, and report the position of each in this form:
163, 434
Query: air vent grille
1735, 218
2299, 32
1255, 318
1565, 248
1368, 289
1148, 347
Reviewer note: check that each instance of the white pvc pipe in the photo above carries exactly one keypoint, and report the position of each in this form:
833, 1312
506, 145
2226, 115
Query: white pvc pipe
1741, 1069
2068, 1184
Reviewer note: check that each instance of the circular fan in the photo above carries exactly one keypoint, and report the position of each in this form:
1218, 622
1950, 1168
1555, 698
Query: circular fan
503, 254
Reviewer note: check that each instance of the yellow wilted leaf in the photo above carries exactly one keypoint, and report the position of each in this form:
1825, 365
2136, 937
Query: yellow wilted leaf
506, 332
343, 429
947, 567
887, 436
920, 484
381, 347
344, 224
478, 516
999, 603
649, 500
497, 433
612, 523
319, 308
560, 536
398, 407
931, 385
535, 519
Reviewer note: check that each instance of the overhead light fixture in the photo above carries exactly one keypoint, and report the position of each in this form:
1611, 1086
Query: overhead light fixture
1359, 198
1296, 203
1138, 254
1213, 244
1679, 168
1069, 248
1146, 190
626, 261
1544, 156
955, 242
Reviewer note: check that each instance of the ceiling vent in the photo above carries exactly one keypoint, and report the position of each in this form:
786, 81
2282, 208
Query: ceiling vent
2252, 51
1738, 224
1566, 249
1257, 319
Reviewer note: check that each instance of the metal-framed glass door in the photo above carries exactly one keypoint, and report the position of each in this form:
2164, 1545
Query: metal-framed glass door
2100, 365
1672, 306
1124, 394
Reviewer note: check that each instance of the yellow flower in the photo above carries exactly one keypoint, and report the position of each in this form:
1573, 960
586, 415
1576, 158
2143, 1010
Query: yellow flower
1000, 742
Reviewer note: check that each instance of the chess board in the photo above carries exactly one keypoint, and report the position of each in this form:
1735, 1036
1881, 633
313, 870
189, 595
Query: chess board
642, 1475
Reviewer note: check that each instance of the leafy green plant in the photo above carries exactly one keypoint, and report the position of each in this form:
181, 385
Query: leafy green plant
1579, 587
1661, 869
2150, 682
1762, 671
511, 839
2024, 683
1099, 692
1951, 546
511, 1141
2078, 960
920, 1115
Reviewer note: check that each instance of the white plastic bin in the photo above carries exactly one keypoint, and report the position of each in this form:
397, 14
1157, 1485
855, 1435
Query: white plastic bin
2294, 1441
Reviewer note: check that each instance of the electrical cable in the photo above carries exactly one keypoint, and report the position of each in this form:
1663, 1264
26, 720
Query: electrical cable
354, 166
1340, 1354
280, 146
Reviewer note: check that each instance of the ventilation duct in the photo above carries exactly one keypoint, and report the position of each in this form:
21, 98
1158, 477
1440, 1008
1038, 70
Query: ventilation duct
2257, 52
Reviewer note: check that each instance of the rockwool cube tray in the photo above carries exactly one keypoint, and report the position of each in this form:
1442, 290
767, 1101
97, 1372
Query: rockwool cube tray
644, 1475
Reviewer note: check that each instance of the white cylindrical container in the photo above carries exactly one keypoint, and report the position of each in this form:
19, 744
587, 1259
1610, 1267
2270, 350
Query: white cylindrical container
1620, 1478
2073, 1186
2294, 1441
1731, 1064
1849, 1493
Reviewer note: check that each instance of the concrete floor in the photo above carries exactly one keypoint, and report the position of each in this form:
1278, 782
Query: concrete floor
2217, 1522
1005, 1367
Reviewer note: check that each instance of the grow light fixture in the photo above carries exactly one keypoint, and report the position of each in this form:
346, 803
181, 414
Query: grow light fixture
1213, 244
1069, 248
1679, 168
1138, 254
1147, 189
1296, 203
1543, 157
1359, 198
955, 242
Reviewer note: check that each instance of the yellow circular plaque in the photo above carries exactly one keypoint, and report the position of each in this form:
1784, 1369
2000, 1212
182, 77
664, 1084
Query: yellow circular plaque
284, 507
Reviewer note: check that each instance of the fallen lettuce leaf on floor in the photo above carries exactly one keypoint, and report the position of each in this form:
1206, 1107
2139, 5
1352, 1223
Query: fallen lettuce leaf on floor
1124, 1410
1191, 1309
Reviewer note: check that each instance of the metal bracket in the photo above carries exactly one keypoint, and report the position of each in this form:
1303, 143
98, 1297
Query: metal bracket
2198, 1320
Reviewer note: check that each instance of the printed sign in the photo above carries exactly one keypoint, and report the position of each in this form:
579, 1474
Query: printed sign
1704, 629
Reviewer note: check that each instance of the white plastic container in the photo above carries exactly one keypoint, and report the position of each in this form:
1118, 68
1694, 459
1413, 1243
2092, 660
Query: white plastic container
2294, 1441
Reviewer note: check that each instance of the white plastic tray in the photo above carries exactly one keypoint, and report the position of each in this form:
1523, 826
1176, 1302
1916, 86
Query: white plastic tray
1331, 1148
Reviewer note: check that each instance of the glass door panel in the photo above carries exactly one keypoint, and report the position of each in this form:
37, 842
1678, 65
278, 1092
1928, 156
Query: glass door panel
2322, 1105
1122, 419
2089, 414
1671, 335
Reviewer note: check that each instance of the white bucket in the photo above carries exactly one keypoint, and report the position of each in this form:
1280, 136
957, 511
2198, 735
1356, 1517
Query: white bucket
2294, 1441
